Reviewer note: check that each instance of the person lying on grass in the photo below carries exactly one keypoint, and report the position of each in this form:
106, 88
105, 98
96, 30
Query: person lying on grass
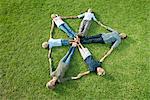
58, 20
58, 74
55, 43
86, 22
113, 38
93, 65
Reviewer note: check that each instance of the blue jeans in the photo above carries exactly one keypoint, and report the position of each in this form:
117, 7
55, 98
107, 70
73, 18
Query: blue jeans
66, 59
67, 30
92, 39
64, 42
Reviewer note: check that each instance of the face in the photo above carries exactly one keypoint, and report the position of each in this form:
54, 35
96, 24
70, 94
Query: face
100, 71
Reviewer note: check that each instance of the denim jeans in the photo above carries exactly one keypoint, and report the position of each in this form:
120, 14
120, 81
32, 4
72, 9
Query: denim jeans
64, 42
84, 27
92, 39
66, 59
67, 30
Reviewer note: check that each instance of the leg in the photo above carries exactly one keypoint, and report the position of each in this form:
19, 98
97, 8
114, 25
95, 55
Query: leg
70, 31
66, 56
64, 42
92, 39
86, 27
70, 56
66, 30
81, 27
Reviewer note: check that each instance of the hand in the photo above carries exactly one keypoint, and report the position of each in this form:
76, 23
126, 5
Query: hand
74, 44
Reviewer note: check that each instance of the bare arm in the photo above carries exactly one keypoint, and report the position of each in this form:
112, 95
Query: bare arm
106, 55
69, 17
80, 75
52, 28
49, 53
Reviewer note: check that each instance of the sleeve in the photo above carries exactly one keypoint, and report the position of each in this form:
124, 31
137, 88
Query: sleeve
64, 79
81, 15
49, 44
94, 18
116, 43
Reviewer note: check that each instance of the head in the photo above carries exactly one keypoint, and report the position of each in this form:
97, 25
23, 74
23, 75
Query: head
100, 71
51, 84
53, 15
123, 35
45, 45
90, 10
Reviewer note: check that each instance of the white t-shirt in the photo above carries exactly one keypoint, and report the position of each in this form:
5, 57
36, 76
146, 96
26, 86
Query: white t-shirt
54, 42
84, 53
87, 16
58, 21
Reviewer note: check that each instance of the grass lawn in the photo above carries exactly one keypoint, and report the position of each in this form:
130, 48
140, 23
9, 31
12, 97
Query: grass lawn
24, 70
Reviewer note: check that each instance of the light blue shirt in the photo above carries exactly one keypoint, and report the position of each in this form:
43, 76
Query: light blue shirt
54, 42
112, 37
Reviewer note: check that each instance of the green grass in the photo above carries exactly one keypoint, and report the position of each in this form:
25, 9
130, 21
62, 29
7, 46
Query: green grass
24, 70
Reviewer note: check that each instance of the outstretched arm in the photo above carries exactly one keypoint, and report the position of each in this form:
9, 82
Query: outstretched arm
80, 75
106, 55
49, 53
52, 28
106, 27
69, 17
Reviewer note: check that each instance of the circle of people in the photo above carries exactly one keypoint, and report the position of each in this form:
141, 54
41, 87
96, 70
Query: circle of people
76, 40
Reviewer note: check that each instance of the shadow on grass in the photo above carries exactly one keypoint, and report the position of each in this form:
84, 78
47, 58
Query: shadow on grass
108, 76
64, 88
127, 43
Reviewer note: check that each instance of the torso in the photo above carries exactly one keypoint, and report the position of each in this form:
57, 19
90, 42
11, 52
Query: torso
60, 71
58, 21
110, 37
88, 16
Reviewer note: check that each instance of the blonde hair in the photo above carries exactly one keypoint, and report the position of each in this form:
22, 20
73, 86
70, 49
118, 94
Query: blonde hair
45, 45
89, 10
50, 86
123, 35
53, 15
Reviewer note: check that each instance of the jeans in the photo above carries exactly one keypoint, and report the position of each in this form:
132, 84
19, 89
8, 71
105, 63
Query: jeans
66, 59
84, 27
67, 30
64, 42
92, 39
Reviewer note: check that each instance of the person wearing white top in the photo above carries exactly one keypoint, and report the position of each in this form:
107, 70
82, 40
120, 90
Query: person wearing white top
62, 25
86, 22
